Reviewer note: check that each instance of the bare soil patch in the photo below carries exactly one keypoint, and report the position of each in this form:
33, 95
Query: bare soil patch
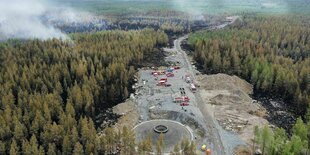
242, 150
231, 104
129, 115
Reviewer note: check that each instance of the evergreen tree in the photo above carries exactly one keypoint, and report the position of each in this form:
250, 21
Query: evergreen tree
14, 149
148, 144
66, 146
176, 150
52, 149
78, 149
264, 52
300, 130
267, 138
34, 145
2, 148
26, 148
159, 149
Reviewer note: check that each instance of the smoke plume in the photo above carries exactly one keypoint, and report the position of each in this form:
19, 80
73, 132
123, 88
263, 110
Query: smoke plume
24, 19
199, 7
193, 8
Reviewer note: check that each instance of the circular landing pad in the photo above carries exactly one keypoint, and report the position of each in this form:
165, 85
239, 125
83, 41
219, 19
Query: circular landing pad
174, 132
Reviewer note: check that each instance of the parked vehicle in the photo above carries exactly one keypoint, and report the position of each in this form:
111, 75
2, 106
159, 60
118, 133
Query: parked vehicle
167, 85
170, 70
170, 75
177, 67
185, 98
155, 73
184, 104
193, 88
188, 80
161, 83
181, 99
164, 79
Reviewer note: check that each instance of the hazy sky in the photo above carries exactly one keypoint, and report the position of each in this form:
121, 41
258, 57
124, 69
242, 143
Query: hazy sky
23, 18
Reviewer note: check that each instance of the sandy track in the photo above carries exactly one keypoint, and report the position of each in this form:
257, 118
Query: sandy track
209, 121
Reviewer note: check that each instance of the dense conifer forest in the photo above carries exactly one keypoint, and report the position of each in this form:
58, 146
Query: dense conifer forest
270, 52
51, 90
273, 54
277, 142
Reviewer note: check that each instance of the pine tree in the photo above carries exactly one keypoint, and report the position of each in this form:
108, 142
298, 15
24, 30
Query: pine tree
307, 116
14, 149
41, 151
148, 144
298, 145
26, 148
66, 146
102, 146
2, 147
36, 125
78, 149
70, 109
90, 148
141, 147
128, 141
34, 145
46, 114
192, 148
159, 149
51, 149
18, 131
185, 146
267, 137
110, 140
74, 137
300, 130
256, 139
176, 149
280, 139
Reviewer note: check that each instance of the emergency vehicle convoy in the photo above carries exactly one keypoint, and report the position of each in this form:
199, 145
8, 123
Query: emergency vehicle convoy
181, 99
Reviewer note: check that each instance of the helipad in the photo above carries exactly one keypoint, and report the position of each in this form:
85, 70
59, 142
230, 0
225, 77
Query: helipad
174, 132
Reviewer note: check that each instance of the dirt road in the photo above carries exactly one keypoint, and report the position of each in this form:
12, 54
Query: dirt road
201, 105
215, 132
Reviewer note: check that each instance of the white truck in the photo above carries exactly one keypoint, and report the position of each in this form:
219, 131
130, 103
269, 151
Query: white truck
193, 88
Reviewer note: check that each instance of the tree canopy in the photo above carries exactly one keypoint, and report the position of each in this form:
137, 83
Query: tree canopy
270, 52
52, 90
